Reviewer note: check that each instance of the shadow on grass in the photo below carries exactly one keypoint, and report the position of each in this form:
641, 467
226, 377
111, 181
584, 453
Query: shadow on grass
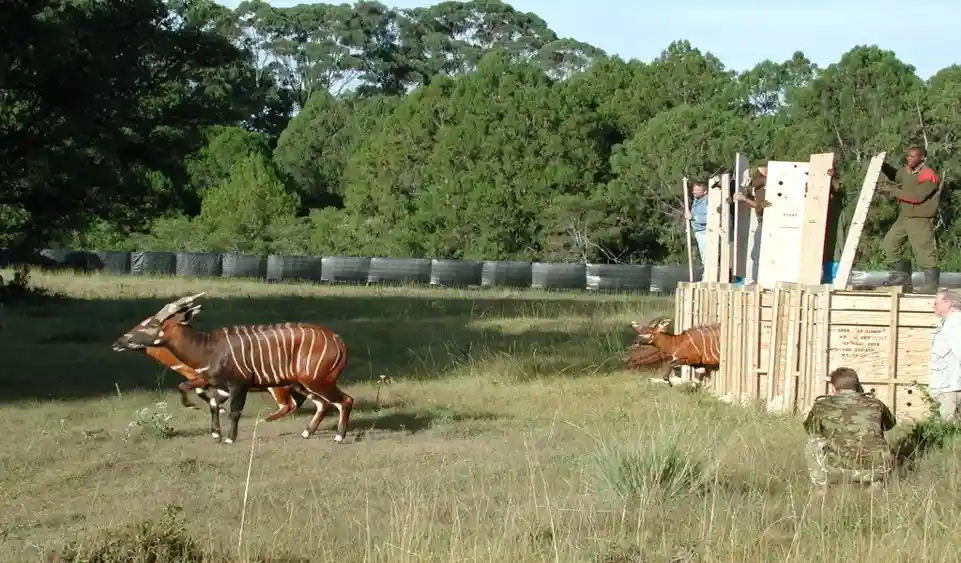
61, 350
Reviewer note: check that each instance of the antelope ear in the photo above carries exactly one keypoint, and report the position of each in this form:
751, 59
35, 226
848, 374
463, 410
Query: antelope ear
637, 327
664, 323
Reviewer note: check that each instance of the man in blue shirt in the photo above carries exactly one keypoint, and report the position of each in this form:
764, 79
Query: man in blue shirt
698, 216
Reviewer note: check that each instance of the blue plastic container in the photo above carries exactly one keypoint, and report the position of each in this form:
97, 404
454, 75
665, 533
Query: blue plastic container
829, 271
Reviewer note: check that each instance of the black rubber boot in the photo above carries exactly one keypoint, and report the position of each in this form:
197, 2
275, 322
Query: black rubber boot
899, 274
932, 277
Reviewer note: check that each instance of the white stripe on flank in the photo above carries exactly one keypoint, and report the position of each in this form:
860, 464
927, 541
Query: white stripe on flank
245, 372
261, 371
300, 349
282, 351
320, 360
289, 349
310, 351
230, 346
271, 366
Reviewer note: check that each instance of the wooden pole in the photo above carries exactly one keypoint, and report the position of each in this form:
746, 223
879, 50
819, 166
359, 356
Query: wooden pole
687, 229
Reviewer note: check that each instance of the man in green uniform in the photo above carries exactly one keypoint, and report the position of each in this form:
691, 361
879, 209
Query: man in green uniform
918, 193
847, 429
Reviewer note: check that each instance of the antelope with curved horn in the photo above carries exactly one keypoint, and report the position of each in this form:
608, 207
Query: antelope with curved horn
288, 399
307, 356
698, 347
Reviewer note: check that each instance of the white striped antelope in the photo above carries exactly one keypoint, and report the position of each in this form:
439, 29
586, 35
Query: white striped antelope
698, 347
304, 356
288, 399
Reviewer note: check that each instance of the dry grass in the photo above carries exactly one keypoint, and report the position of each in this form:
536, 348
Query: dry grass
509, 432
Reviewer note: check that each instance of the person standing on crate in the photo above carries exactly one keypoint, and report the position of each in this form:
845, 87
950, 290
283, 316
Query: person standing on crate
847, 428
698, 216
756, 181
944, 383
918, 193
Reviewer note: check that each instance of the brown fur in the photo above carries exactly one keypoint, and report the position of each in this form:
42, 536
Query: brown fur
644, 356
310, 357
287, 400
697, 347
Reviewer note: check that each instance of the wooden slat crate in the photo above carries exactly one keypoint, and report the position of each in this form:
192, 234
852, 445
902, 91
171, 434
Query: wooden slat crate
778, 346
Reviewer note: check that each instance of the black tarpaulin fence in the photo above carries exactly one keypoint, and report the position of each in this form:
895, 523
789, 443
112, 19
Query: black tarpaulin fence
399, 270
664, 279
153, 263
455, 273
199, 264
618, 277
114, 262
545, 275
360, 269
243, 266
345, 269
506, 273
294, 268
56, 254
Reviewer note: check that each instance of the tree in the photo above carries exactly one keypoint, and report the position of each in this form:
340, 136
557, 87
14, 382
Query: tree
249, 210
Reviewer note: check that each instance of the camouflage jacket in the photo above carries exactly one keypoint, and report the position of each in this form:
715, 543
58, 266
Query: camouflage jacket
853, 424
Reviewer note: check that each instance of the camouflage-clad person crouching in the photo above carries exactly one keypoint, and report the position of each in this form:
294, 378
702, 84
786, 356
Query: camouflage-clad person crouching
848, 427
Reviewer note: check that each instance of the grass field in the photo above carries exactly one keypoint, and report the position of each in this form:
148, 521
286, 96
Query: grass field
505, 430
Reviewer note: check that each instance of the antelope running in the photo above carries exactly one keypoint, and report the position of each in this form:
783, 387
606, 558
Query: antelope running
698, 347
288, 400
241, 358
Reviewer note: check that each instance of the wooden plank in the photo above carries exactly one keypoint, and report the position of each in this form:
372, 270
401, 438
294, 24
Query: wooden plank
816, 198
857, 222
742, 223
687, 231
893, 350
726, 233
712, 250
782, 237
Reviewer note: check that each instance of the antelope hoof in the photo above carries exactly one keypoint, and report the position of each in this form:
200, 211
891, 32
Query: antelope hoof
338, 439
223, 410
228, 441
216, 436
305, 434
675, 381
659, 380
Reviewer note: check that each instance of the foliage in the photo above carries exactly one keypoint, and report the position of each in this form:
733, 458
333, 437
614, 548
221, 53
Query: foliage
154, 423
458, 130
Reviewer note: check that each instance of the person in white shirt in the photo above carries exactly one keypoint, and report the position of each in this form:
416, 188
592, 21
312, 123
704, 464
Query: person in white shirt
945, 380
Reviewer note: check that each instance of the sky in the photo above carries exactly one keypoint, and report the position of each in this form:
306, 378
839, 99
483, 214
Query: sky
744, 32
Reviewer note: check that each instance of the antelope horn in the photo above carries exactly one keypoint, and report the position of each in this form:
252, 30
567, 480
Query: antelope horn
172, 308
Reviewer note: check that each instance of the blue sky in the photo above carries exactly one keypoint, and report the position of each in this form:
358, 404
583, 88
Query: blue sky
744, 32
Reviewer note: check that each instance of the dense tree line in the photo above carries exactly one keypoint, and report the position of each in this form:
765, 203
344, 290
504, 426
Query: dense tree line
461, 130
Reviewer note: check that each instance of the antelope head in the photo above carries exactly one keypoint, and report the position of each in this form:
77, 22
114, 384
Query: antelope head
150, 331
646, 333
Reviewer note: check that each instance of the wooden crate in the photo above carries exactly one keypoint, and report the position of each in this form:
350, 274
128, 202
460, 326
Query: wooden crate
779, 345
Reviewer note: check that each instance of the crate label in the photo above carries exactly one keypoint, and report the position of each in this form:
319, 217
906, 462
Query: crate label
850, 344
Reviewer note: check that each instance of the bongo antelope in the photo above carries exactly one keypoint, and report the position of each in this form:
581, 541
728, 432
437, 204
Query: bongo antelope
288, 399
698, 347
299, 355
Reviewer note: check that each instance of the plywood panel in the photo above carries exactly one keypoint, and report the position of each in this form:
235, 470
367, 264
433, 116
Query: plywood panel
857, 222
726, 232
817, 195
742, 222
712, 250
782, 235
